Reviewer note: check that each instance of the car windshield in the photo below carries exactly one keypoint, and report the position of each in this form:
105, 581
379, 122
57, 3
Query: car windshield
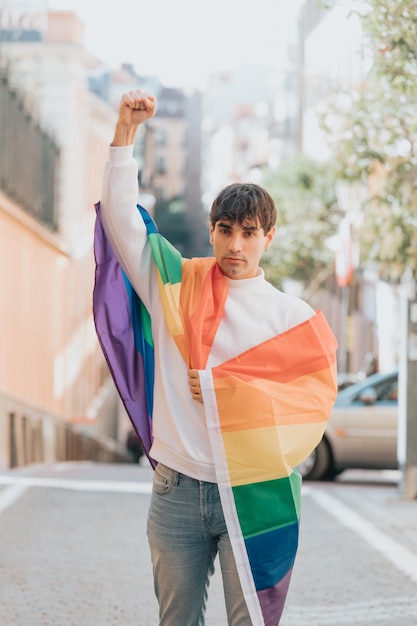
384, 385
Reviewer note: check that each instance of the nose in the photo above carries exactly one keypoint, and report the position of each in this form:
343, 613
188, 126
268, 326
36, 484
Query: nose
235, 243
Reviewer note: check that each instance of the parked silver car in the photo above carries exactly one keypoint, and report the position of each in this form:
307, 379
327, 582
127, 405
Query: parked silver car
362, 430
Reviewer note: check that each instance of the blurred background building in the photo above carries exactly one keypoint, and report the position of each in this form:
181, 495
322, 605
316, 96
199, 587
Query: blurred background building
58, 106
54, 134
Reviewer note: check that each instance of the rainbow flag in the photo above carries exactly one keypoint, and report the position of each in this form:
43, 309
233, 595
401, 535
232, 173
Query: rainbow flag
266, 409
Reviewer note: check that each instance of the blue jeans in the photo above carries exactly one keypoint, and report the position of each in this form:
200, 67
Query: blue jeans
186, 529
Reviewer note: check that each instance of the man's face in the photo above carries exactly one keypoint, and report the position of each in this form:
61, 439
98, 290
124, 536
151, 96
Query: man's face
238, 249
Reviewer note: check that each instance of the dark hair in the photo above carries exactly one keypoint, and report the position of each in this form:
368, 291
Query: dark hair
244, 203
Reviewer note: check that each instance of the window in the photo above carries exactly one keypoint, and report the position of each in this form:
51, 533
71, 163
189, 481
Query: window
161, 136
160, 165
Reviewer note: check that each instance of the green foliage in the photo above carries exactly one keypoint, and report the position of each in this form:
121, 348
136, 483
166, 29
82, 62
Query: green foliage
304, 193
373, 134
171, 219
391, 26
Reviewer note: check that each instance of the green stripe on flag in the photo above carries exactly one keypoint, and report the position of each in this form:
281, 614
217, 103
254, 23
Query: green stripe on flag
268, 505
146, 325
168, 259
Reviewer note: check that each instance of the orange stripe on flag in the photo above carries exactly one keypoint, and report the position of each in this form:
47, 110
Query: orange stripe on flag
203, 294
303, 349
264, 403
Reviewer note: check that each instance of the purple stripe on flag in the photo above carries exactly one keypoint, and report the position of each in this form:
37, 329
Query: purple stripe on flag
112, 317
272, 600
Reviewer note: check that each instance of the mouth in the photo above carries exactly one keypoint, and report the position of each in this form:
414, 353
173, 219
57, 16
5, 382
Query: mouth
233, 259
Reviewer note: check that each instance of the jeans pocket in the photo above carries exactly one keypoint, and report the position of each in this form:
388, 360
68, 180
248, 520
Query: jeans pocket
164, 480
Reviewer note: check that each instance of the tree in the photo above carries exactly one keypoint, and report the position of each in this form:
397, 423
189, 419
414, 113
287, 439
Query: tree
172, 221
376, 142
373, 134
308, 215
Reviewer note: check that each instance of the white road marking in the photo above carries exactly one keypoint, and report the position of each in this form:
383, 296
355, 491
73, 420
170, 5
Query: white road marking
77, 485
64, 466
10, 495
404, 560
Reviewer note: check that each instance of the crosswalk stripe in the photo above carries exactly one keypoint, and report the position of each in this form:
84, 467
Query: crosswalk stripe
77, 485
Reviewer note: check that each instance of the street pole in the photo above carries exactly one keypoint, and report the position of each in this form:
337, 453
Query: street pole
407, 408
350, 197
344, 272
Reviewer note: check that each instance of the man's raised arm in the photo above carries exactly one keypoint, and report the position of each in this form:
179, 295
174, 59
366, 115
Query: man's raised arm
120, 218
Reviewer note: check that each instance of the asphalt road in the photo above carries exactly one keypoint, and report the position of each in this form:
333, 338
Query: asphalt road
73, 551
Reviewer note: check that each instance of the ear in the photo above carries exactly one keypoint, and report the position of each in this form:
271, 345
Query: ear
211, 233
269, 237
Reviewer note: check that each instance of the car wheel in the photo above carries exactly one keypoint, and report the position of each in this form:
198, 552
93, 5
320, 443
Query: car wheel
318, 465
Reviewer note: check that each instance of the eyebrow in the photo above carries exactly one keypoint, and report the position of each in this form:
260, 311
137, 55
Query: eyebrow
246, 228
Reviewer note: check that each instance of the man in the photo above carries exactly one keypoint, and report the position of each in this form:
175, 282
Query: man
239, 378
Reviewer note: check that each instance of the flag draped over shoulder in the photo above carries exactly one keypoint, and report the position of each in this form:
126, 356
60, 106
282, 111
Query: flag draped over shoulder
124, 331
266, 409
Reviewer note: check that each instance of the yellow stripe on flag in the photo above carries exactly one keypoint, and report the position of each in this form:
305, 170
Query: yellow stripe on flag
268, 453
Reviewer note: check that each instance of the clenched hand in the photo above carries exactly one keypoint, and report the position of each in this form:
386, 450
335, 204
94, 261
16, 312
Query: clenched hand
135, 107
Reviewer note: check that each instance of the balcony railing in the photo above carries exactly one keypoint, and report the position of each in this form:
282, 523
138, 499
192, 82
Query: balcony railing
28, 158
30, 435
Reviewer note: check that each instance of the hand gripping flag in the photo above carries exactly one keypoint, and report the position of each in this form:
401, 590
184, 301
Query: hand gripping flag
266, 409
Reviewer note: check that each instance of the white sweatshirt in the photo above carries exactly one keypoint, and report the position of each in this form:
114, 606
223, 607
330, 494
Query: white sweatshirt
254, 312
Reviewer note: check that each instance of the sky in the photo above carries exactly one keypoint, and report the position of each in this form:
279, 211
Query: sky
183, 41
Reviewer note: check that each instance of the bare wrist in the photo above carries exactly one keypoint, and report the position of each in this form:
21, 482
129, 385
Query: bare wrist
124, 135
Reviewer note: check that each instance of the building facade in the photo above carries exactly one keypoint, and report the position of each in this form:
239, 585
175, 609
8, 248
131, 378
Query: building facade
52, 372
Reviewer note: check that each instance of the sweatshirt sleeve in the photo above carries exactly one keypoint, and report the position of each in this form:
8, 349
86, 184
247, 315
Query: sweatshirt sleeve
123, 223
